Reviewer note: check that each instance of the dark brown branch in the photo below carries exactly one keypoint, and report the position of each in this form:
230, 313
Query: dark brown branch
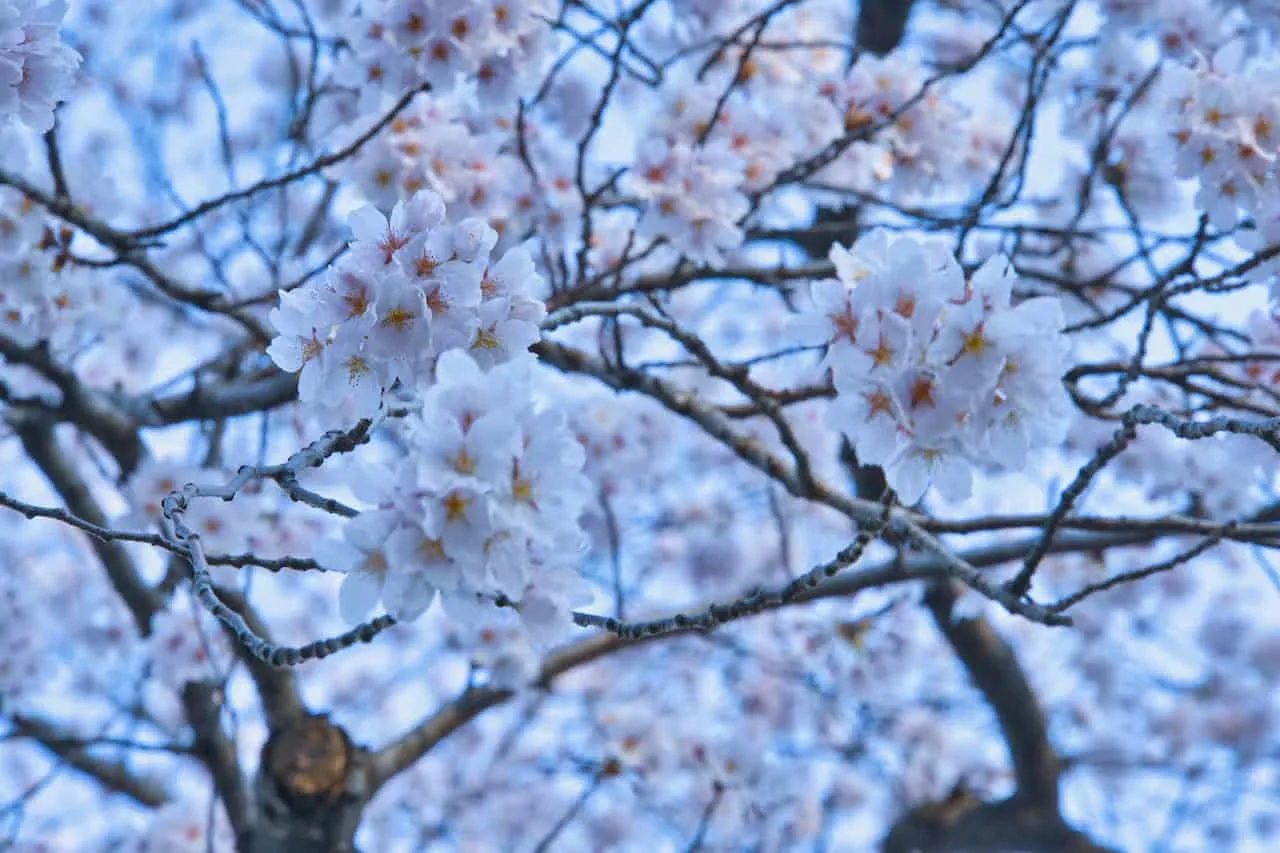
403, 752
882, 24
224, 399
90, 410
994, 670
217, 752
114, 776
41, 446
1027, 822
311, 789
277, 687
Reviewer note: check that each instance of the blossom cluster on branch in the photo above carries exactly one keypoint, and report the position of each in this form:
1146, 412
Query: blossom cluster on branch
565, 376
484, 508
936, 373
1227, 133
495, 46
409, 289
36, 67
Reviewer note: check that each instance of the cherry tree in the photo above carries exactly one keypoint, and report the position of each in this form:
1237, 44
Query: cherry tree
641, 425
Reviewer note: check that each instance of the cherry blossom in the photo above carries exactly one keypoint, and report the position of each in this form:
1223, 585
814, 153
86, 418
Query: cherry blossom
934, 371
36, 67
507, 425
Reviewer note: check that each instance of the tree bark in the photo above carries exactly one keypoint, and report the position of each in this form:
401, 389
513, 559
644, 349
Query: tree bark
882, 24
1030, 820
311, 789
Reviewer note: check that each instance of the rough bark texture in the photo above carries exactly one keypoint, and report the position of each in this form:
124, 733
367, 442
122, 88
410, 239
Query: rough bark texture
311, 789
1030, 820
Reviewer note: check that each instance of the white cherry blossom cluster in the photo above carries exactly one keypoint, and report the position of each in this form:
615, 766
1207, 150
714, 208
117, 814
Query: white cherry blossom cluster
1226, 133
915, 146
44, 297
36, 68
621, 437
693, 196
1260, 369
438, 145
935, 374
1179, 27
408, 290
498, 44
484, 510
764, 140
185, 644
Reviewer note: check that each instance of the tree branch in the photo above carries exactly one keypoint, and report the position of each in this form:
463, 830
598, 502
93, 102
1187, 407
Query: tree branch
87, 408
994, 669
405, 750
203, 704
882, 24
39, 442
114, 775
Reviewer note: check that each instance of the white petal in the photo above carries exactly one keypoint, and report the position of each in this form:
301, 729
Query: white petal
286, 352
407, 595
358, 595
909, 478
368, 224
953, 478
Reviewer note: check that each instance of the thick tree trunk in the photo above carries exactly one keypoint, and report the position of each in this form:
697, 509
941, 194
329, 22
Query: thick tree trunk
1030, 820
311, 789
962, 824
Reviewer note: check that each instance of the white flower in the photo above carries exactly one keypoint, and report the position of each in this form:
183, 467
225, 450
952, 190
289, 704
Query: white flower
360, 553
832, 319
350, 373
871, 416
499, 336
36, 68
400, 337
417, 568
933, 374
469, 449
547, 606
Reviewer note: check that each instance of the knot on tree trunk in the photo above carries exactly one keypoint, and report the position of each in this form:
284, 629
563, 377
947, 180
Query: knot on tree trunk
312, 788
307, 760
